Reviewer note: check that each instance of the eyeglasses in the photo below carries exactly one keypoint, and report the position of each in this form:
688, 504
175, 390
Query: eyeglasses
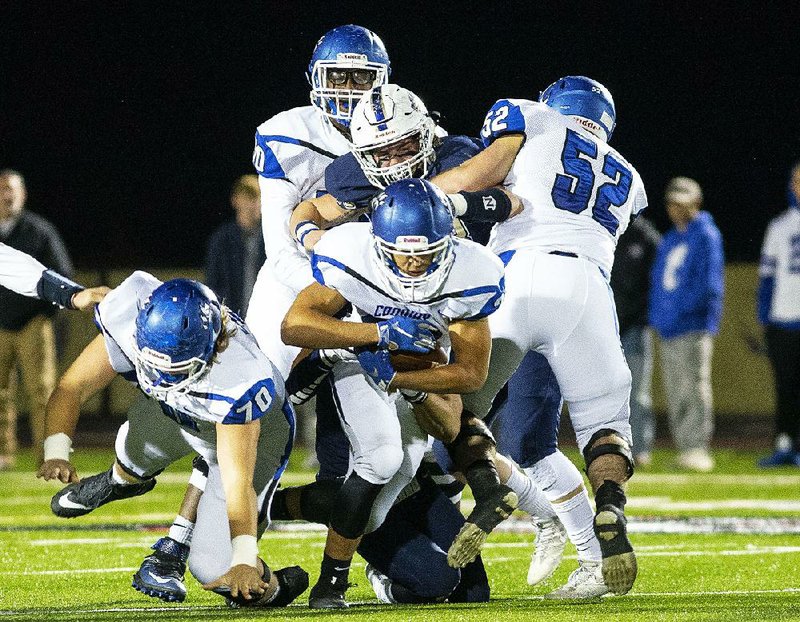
360, 77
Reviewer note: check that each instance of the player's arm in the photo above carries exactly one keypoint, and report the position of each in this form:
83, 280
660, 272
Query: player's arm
237, 445
90, 373
471, 344
312, 216
484, 170
439, 415
310, 322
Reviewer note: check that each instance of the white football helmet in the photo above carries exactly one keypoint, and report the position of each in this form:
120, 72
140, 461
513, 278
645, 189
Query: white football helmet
385, 117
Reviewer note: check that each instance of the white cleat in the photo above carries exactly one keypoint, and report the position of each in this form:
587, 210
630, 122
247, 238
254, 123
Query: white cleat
551, 538
381, 584
586, 582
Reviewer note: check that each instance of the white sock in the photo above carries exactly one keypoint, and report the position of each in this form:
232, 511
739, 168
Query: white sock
117, 478
531, 499
181, 530
577, 516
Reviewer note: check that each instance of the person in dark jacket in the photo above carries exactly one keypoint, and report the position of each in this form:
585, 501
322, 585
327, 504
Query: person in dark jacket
630, 282
687, 284
236, 249
27, 339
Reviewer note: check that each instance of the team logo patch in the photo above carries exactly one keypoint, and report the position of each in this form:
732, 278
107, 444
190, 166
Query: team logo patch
489, 203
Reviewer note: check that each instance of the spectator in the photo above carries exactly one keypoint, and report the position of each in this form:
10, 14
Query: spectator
236, 248
27, 338
630, 282
687, 283
779, 312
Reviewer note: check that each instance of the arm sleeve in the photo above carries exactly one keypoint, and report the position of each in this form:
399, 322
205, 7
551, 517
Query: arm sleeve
19, 271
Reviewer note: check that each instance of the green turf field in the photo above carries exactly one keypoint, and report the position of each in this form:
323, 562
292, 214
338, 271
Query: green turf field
53, 569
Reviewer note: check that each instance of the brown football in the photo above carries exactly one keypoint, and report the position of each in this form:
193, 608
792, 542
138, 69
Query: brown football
408, 361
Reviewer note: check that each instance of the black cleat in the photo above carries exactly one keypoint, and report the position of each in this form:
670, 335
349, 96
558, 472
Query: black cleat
619, 560
292, 581
92, 492
489, 512
161, 573
327, 596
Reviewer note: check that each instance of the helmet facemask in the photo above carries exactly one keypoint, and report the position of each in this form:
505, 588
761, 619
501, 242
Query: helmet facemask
159, 376
369, 156
338, 103
415, 288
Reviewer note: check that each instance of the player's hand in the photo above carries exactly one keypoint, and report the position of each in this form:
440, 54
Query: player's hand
516, 204
241, 580
59, 469
87, 299
402, 333
378, 367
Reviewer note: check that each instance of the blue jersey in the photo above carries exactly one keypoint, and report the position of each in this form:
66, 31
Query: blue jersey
346, 182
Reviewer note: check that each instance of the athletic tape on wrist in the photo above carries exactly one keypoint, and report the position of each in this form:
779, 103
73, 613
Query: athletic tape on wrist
57, 447
245, 551
303, 229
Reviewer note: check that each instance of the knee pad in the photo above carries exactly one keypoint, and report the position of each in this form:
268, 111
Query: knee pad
556, 476
379, 464
354, 503
617, 446
474, 443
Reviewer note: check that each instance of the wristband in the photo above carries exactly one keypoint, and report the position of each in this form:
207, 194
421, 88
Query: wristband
57, 289
57, 447
490, 205
245, 551
303, 229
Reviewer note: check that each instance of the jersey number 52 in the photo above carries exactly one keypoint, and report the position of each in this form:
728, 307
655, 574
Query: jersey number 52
573, 190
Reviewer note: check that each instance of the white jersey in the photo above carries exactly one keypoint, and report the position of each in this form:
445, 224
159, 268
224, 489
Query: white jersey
579, 193
241, 386
19, 272
780, 260
344, 260
292, 150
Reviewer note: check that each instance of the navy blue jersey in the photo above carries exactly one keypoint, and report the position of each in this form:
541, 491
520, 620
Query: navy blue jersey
346, 182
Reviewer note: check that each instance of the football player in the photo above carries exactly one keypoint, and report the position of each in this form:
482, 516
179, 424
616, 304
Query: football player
292, 150
212, 392
555, 154
407, 277
394, 137
25, 275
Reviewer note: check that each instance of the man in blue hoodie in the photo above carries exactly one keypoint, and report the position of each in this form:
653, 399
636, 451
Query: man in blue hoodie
687, 282
779, 313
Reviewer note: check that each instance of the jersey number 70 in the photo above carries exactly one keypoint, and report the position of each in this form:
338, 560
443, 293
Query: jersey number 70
573, 190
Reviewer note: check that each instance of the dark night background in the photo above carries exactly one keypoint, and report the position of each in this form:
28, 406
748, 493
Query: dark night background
130, 120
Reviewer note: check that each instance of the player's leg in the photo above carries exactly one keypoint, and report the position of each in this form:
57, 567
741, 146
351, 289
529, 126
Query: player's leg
473, 450
370, 422
595, 381
404, 565
161, 574
145, 445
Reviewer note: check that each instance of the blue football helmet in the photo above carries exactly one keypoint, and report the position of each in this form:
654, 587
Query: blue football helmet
176, 331
586, 99
413, 218
346, 48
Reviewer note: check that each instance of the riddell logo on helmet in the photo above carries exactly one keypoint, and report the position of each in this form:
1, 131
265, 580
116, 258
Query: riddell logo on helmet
411, 239
349, 56
588, 124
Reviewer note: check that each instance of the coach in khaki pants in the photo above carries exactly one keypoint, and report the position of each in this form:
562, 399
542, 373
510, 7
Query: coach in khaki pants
27, 338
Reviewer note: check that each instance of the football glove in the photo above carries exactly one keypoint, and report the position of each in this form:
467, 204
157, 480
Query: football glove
402, 333
378, 367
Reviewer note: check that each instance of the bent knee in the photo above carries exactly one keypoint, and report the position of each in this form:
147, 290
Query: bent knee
379, 465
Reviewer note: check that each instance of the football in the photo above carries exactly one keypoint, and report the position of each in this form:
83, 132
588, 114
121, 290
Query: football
410, 361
